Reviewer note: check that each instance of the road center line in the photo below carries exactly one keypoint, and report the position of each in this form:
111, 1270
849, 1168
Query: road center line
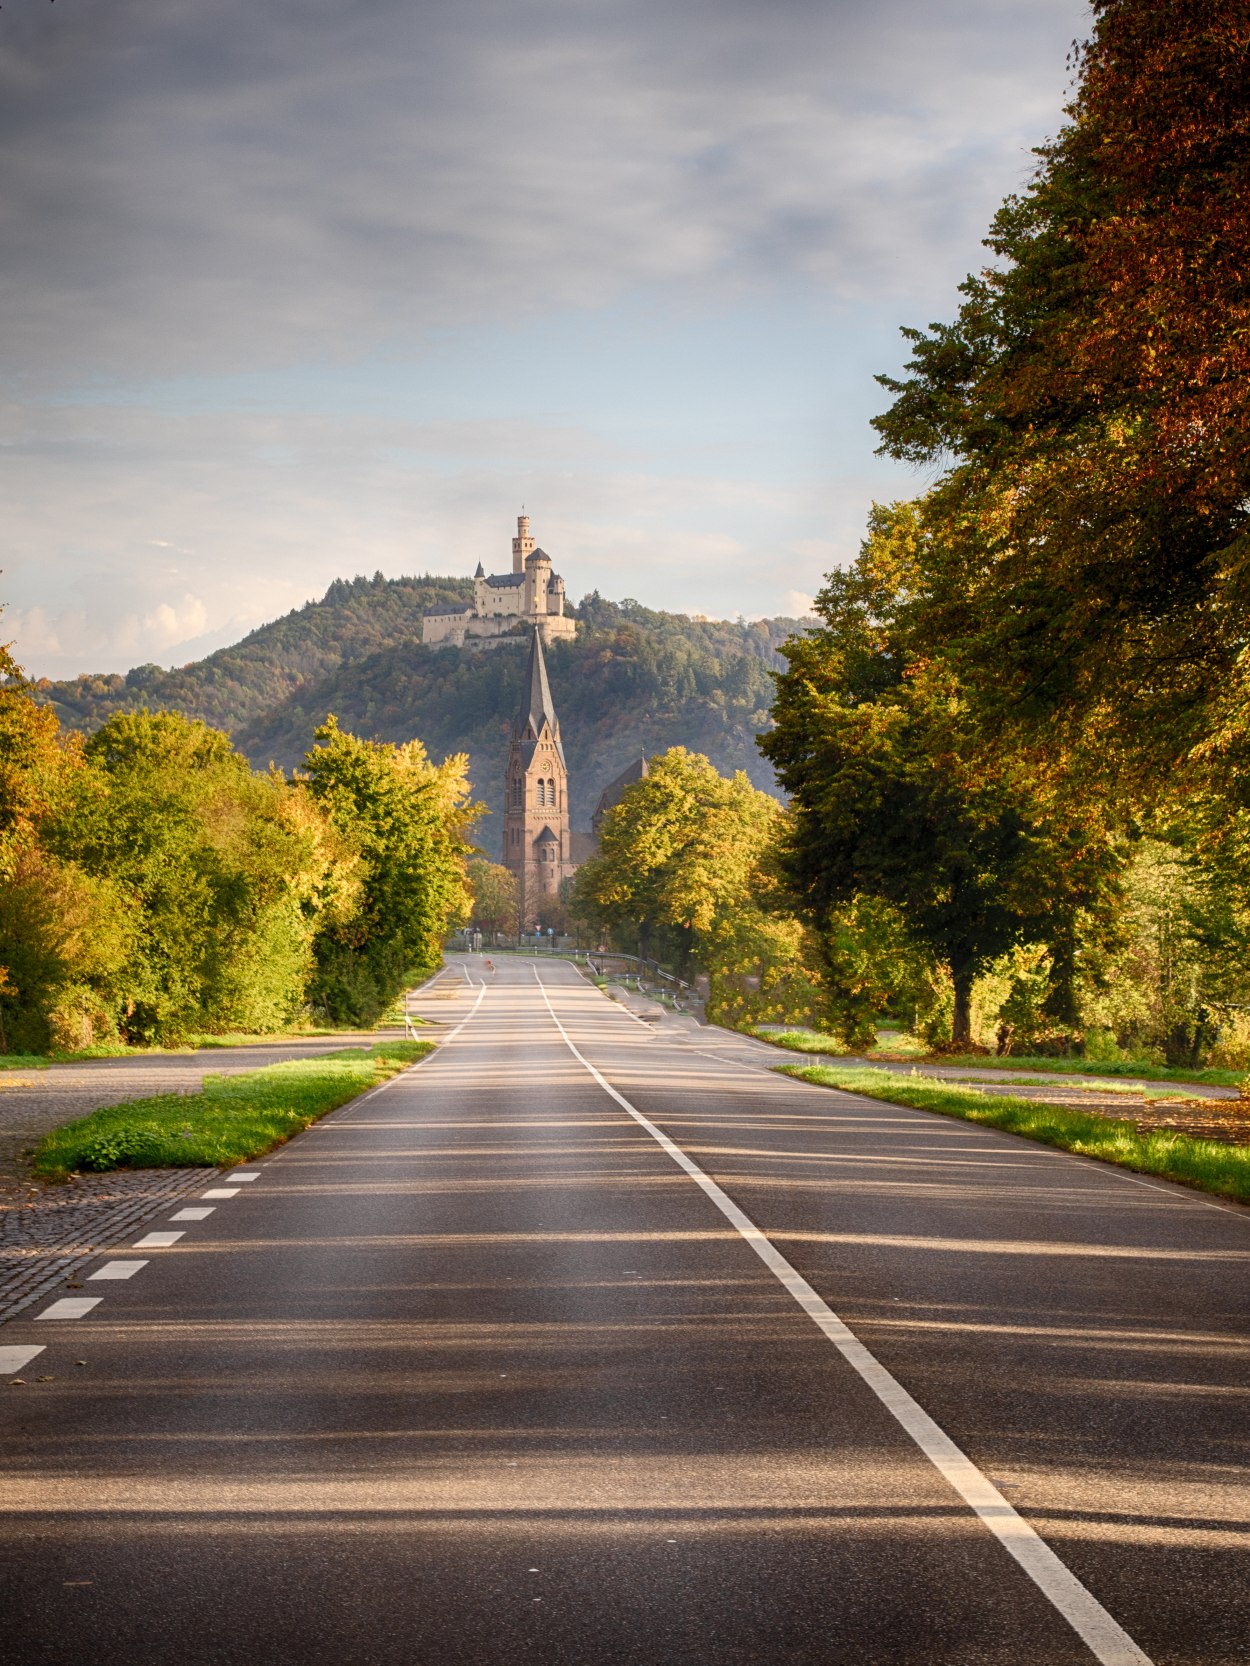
1106, 1639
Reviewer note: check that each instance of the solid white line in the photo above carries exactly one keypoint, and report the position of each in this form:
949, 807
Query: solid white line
117, 1269
417, 1063
192, 1214
1105, 1638
159, 1240
70, 1307
13, 1359
1173, 1189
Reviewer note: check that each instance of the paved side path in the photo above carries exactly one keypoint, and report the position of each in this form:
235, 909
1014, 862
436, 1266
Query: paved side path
33, 1101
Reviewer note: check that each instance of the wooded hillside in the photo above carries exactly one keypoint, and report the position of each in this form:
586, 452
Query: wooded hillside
635, 681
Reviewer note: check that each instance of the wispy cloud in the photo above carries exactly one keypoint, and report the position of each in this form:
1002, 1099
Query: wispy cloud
191, 192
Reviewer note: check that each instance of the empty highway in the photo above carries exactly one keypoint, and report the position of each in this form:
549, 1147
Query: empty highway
585, 1341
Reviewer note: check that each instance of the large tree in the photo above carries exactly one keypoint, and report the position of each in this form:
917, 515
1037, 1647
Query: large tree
891, 802
686, 871
409, 819
1089, 573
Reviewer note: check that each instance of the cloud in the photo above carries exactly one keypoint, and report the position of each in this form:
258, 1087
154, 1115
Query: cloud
190, 186
304, 289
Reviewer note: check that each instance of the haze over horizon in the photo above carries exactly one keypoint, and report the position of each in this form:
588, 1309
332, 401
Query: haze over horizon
305, 291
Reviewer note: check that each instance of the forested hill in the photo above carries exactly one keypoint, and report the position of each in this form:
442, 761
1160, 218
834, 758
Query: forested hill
635, 681
355, 618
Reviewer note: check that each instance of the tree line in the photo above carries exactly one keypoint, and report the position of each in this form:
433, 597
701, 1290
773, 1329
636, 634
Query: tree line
1015, 747
153, 885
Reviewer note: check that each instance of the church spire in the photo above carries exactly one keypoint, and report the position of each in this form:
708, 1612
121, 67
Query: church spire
537, 705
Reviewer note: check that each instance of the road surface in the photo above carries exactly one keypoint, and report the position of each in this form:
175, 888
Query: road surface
585, 1343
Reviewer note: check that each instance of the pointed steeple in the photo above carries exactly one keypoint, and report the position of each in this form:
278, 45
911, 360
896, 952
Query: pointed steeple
481, 571
537, 706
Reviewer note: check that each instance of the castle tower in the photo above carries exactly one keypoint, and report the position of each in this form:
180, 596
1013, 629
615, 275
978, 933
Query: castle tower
522, 544
536, 843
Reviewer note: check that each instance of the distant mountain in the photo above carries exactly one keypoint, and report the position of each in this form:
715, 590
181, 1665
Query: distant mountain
634, 682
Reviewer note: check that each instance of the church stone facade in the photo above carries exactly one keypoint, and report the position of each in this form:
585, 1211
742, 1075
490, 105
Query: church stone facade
537, 843
530, 595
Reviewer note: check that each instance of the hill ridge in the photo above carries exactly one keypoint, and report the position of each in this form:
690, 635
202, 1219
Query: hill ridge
636, 681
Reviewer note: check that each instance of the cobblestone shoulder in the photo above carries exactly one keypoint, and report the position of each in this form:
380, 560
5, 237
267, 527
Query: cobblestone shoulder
44, 1239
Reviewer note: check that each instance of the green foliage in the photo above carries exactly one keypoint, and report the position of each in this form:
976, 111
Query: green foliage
1087, 571
635, 681
409, 820
963, 856
684, 872
231, 1118
355, 619
1205, 1164
494, 896
214, 870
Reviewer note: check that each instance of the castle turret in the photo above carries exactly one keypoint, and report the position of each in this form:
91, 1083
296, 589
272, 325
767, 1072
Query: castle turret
537, 583
522, 544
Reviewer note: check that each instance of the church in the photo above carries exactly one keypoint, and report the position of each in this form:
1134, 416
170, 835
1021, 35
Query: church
530, 595
538, 846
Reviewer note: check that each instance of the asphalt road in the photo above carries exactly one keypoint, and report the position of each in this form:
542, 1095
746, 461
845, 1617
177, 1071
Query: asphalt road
476, 1371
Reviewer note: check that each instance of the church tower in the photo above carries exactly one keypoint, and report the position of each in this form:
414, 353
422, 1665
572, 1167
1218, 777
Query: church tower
536, 843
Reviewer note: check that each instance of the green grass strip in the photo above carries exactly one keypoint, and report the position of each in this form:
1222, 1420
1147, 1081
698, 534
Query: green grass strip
812, 1041
229, 1120
1205, 1164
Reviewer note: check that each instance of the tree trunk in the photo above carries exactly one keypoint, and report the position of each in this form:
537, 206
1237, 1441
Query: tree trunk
961, 1024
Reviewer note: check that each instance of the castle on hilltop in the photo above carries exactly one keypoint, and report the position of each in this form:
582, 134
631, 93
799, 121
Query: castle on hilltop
530, 595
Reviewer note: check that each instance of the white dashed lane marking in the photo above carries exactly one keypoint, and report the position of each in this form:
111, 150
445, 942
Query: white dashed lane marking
253, 1174
70, 1307
13, 1359
221, 1191
159, 1240
192, 1214
117, 1269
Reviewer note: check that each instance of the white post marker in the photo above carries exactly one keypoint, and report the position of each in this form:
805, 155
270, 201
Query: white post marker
159, 1240
70, 1307
117, 1269
1105, 1638
13, 1359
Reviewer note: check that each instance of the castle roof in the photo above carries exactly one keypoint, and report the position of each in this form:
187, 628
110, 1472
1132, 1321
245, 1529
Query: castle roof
537, 707
505, 581
481, 571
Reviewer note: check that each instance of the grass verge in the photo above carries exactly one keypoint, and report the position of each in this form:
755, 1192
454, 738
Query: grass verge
230, 1119
1204, 1164
812, 1041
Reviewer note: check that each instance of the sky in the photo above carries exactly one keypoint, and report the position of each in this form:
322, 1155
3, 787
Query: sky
301, 290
